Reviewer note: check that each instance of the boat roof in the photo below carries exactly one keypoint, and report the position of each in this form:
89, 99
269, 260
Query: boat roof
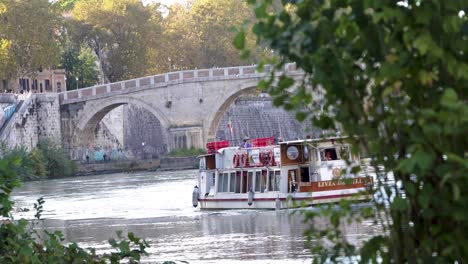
311, 140
221, 150
205, 155
298, 141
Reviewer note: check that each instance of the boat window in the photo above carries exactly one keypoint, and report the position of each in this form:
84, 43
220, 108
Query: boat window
225, 182
202, 164
232, 182
278, 179
344, 153
238, 181
220, 182
274, 180
328, 154
305, 174
258, 178
264, 180
250, 181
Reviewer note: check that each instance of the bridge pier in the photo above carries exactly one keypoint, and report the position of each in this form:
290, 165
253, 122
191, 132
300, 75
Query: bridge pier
186, 137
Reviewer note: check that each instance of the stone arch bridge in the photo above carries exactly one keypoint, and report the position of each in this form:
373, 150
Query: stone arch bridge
189, 104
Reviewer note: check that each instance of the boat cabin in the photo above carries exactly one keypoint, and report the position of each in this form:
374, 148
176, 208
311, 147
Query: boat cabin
288, 167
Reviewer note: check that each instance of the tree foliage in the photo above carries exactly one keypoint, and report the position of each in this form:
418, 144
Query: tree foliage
128, 38
58, 164
48, 159
29, 38
394, 75
24, 168
80, 67
199, 35
121, 33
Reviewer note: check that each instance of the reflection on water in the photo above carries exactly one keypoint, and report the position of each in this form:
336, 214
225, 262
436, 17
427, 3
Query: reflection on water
157, 206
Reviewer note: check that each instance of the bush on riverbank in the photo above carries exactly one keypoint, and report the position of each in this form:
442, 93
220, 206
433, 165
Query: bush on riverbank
58, 164
29, 165
186, 152
46, 160
20, 243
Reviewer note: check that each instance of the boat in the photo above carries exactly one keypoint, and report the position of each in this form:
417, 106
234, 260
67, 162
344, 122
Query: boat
278, 176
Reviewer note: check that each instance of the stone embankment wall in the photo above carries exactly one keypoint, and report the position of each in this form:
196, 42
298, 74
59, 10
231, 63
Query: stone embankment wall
143, 127
38, 118
110, 131
114, 167
179, 163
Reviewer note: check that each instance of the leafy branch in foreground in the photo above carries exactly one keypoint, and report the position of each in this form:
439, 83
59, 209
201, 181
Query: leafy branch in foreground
393, 76
20, 242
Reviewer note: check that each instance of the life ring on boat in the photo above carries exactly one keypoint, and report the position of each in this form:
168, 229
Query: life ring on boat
336, 172
235, 160
244, 160
262, 157
271, 158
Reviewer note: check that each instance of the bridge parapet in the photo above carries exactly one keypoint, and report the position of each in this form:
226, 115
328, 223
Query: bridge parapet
166, 79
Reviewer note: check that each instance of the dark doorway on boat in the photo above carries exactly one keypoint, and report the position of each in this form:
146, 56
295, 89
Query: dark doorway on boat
305, 176
238, 181
244, 182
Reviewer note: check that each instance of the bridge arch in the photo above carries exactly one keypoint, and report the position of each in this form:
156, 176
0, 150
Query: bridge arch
94, 112
221, 111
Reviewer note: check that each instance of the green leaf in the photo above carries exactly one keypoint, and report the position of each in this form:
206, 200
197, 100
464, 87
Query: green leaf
124, 247
410, 188
422, 43
261, 10
239, 40
423, 159
456, 192
335, 219
424, 198
285, 82
301, 116
449, 97
399, 204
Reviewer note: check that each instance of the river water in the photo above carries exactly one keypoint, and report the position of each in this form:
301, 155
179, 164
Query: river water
157, 206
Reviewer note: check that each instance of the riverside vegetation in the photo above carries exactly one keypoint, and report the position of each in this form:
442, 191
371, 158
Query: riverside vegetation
394, 77
186, 152
20, 242
47, 160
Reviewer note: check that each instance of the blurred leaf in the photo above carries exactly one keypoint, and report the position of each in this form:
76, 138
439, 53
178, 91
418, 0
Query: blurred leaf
239, 40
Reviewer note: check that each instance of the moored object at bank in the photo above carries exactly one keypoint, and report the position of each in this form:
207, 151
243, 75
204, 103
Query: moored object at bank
195, 195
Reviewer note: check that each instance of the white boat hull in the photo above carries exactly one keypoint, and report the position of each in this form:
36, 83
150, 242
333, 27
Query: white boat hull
286, 200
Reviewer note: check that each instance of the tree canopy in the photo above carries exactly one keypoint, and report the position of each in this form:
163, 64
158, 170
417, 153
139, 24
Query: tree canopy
121, 34
199, 34
394, 76
29, 37
129, 38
